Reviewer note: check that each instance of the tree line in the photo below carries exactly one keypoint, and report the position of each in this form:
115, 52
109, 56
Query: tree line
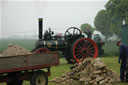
109, 20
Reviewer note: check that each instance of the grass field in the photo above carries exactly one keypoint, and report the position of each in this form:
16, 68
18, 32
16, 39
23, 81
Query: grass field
26, 43
110, 58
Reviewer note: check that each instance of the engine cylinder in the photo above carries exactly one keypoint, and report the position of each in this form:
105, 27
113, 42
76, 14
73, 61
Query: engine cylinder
51, 44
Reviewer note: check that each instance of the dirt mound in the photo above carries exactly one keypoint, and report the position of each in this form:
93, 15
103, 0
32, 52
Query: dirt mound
14, 50
90, 71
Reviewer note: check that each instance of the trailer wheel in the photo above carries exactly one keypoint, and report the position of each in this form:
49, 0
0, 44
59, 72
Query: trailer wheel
15, 82
39, 78
15, 78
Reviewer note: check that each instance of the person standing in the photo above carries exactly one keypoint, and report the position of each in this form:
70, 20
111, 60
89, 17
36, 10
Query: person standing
123, 48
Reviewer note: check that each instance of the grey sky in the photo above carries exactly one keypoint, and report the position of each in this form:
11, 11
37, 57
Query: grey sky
22, 16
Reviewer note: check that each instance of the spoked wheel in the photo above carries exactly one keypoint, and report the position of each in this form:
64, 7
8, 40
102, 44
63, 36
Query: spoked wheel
72, 34
39, 78
83, 48
42, 50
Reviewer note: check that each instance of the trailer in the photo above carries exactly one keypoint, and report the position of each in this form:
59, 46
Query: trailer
15, 69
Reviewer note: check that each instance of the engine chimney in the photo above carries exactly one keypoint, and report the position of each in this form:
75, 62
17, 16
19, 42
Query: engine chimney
40, 27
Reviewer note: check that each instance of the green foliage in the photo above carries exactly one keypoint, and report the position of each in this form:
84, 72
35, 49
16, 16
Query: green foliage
115, 27
102, 23
110, 49
84, 27
118, 8
117, 11
110, 20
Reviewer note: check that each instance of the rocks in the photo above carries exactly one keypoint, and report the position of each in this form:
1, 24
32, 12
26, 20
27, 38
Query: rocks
14, 50
90, 71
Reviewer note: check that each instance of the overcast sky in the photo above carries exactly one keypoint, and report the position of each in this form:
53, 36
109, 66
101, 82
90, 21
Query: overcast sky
22, 16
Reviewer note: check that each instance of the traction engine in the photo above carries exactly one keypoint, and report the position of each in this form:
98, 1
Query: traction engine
73, 45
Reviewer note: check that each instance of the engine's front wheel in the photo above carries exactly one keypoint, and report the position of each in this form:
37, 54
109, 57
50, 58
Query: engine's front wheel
42, 50
68, 56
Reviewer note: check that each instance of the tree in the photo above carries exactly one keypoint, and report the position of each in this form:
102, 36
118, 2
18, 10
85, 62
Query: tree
118, 12
87, 29
102, 23
115, 25
85, 26
118, 8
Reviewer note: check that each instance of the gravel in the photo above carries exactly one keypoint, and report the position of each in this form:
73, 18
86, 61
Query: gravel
14, 50
90, 71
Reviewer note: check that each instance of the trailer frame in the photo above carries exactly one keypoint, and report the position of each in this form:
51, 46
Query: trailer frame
30, 65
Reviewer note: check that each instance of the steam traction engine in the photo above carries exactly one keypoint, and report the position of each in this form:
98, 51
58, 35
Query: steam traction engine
74, 46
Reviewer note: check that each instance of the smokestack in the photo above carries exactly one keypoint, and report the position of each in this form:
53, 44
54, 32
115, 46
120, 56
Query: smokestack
40, 27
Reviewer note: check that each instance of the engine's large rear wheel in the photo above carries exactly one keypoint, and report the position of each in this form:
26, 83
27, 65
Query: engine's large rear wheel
68, 56
83, 48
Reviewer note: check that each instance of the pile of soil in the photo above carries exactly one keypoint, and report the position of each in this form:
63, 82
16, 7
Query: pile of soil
90, 71
14, 50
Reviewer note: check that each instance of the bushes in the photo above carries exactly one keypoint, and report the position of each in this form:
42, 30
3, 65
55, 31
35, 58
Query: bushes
111, 49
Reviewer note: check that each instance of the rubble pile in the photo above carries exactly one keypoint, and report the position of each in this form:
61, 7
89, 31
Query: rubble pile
90, 71
14, 50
